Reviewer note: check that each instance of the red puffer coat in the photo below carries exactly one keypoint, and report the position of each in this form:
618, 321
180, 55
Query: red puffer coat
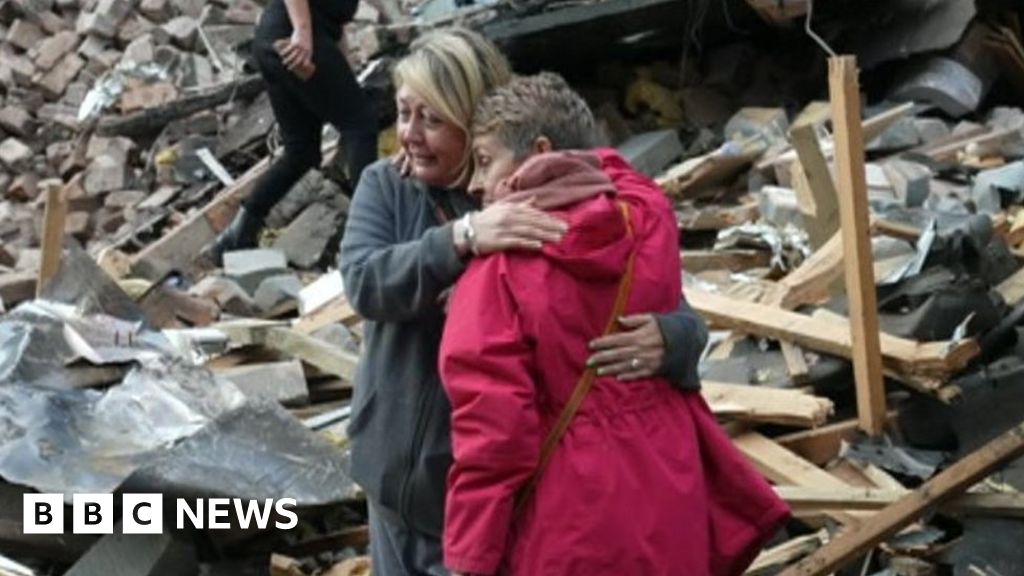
644, 482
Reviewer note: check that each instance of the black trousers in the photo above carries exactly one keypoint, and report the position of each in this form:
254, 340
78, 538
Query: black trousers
301, 109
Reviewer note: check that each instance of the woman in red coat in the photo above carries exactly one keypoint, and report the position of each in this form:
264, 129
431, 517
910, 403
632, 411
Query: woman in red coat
643, 482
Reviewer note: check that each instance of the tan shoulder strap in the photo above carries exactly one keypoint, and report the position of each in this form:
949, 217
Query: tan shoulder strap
586, 381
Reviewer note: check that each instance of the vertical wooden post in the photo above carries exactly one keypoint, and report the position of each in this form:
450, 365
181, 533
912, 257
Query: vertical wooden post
856, 233
53, 236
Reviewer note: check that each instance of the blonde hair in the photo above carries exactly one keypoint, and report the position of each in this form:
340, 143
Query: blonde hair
452, 70
529, 107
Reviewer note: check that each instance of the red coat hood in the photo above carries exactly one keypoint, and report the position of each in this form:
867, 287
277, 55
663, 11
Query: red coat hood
572, 186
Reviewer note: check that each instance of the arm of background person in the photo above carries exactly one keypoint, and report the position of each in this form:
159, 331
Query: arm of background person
486, 365
387, 280
686, 335
298, 54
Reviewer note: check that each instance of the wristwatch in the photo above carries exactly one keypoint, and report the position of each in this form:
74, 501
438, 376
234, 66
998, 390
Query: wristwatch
469, 233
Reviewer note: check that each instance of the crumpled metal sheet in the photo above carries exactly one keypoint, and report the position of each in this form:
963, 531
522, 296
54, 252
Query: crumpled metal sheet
257, 451
169, 428
87, 441
39, 339
789, 245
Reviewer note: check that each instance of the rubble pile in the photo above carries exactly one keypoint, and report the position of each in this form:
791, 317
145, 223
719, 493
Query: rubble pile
139, 111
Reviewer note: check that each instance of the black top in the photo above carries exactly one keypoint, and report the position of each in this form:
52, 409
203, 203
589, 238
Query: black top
328, 17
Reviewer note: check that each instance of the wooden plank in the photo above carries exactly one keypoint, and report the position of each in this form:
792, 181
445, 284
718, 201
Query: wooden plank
314, 352
796, 363
764, 405
53, 235
278, 336
337, 310
817, 279
717, 217
855, 226
821, 445
695, 261
936, 491
825, 220
785, 468
769, 561
873, 127
936, 360
816, 500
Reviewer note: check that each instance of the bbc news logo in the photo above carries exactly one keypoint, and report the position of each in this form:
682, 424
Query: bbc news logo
144, 513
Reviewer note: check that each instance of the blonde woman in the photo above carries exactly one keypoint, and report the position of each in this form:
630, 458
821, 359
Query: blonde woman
406, 242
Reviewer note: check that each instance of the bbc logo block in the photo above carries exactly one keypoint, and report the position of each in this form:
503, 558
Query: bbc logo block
43, 513
144, 513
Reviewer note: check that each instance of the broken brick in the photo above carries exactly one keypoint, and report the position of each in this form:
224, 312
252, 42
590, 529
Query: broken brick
17, 121
78, 225
118, 148
57, 152
14, 153
124, 199
134, 27
104, 21
156, 10
92, 47
51, 50
24, 188
140, 50
50, 23
148, 97
22, 69
193, 8
183, 31
105, 174
7, 257
24, 34
56, 81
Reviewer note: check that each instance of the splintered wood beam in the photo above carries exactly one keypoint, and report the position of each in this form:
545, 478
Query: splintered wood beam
763, 405
53, 235
947, 484
281, 338
695, 261
816, 279
784, 468
856, 229
923, 360
805, 501
335, 311
769, 561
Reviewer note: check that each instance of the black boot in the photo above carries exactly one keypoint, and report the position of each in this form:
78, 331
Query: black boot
242, 233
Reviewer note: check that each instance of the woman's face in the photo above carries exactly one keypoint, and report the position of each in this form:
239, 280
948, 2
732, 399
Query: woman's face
435, 146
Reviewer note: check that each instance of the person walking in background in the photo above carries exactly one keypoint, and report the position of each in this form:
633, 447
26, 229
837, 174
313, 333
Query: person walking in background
298, 50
